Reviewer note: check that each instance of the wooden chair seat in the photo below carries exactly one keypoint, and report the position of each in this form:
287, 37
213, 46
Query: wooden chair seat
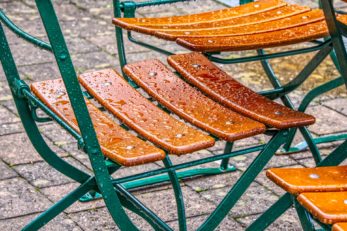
138, 113
327, 207
300, 180
218, 85
189, 103
339, 227
117, 144
256, 25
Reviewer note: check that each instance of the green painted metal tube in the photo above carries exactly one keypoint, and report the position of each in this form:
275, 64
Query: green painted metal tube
60, 206
181, 212
13, 27
243, 183
187, 165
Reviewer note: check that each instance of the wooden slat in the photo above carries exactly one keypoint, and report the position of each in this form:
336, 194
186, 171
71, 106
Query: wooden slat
218, 15
116, 143
138, 113
299, 180
190, 104
264, 27
170, 30
211, 80
290, 36
266, 16
327, 207
340, 227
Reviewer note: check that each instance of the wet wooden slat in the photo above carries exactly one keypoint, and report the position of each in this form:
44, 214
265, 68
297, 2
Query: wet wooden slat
138, 113
266, 16
264, 27
327, 207
290, 36
116, 143
339, 227
299, 180
190, 104
217, 84
218, 15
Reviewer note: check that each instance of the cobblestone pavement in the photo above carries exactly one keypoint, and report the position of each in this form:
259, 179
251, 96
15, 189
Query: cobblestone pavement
28, 185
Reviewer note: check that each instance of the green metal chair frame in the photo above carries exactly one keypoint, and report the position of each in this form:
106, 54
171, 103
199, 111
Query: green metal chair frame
127, 9
336, 30
113, 190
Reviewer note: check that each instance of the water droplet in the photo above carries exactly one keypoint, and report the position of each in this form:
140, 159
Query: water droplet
152, 74
129, 147
186, 32
278, 113
345, 202
279, 12
314, 176
196, 66
256, 5
210, 41
179, 135
304, 17
228, 123
107, 84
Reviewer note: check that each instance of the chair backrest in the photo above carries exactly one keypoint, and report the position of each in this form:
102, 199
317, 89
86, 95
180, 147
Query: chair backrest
59, 49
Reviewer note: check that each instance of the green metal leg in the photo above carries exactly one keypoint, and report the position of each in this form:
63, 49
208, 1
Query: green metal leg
225, 162
178, 195
304, 216
285, 202
60, 206
270, 215
243, 183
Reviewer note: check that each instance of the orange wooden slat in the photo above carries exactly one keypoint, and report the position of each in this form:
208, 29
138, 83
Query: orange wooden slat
299, 180
190, 104
218, 85
138, 113
218, 15
116, 143
327, 207
340, 227
264, 27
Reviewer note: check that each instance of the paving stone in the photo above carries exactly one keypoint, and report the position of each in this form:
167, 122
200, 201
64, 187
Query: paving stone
193, 224
288, 221
55, 193
7, 117
93, 61
20, 198
61, 222
327, 121
57, 134
100, 220
6, 129
41, 174
39, 72
24, 55
165, 206
17, 149
255, 200
6, 171
339, 105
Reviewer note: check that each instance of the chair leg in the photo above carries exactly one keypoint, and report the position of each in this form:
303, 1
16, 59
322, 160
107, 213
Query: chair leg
304, 216
178, 195
243, 183
224, 165
270, 215
60, 206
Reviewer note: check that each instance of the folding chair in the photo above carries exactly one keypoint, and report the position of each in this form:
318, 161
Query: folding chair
318, 194
250, 26
110, 146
